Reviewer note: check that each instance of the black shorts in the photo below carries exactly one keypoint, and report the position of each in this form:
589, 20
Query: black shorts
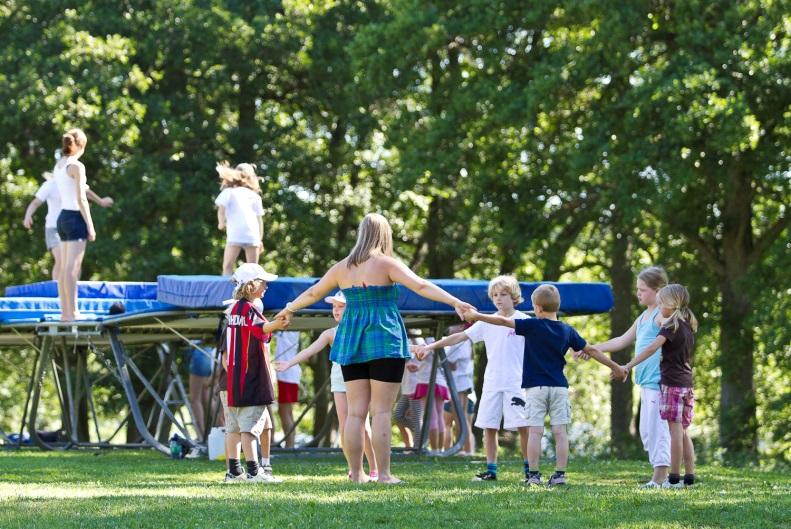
71, 226
382, 370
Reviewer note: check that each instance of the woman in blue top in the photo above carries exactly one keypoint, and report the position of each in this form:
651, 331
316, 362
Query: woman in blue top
371, 342
653, 429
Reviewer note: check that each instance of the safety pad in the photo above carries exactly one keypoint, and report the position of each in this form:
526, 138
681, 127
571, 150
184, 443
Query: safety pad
117, 290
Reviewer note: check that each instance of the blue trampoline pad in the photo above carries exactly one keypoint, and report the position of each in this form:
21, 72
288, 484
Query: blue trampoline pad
116, 290
16, 310
210, 292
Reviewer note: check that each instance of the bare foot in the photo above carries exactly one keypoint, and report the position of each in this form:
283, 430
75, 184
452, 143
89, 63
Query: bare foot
360, 478
389, 480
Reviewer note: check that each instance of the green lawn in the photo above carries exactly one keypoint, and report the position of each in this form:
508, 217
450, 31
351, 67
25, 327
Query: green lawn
144, 489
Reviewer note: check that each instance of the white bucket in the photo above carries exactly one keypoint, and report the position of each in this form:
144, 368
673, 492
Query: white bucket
216, 444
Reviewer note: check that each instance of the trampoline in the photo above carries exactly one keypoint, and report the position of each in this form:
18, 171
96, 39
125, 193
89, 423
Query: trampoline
136, 349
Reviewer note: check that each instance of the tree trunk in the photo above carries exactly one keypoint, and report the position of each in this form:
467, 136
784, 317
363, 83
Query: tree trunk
621, 404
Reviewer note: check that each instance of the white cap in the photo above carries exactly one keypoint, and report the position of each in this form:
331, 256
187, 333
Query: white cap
249, 272
338, 297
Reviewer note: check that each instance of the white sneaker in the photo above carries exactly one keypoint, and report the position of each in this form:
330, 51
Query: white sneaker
651, 485
668, 485
230, 478
194, 453
263, 477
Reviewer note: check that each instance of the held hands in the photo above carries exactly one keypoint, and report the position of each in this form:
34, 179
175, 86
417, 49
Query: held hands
463, 308
621, 373
581, 355
284, 315
421, 351
281, 365
471, 315
279, 324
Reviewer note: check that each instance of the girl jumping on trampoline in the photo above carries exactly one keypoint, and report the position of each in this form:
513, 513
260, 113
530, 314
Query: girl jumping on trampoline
371, 341
338, 388
75, 225
239, 213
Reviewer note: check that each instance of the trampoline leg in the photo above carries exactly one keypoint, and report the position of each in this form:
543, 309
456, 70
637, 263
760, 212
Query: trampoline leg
37, 381
119, 353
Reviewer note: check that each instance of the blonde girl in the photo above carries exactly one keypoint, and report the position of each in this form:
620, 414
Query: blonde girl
240, 213
677, 340
653, 430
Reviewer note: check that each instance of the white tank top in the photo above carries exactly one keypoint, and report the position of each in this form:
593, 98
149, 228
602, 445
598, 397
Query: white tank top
66, 185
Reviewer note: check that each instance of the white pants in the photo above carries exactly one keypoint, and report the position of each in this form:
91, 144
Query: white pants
654, 431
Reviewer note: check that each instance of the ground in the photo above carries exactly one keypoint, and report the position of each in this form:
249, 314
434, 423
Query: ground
143, 489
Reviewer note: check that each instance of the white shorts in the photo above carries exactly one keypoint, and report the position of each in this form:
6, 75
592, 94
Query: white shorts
654, 430
548, 400
505, 406
337, 385
463, 383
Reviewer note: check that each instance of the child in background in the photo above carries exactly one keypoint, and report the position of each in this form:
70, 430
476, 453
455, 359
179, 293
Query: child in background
677, 340
408, 411
239, 213
286, 347
460, 361
337, 386
502, 399
546, 341
249, 386
436, 432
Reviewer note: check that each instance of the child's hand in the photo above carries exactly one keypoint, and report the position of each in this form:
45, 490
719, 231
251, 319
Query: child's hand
284, 315
581, 355
412, 366
281, 365
621, 373
462, 308
280, 323
421, 351
471, 316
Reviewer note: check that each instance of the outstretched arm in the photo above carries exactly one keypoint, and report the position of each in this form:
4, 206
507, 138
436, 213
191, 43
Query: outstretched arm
422, 350
31, 209
312, 294
104, 202
400, 273
647, 352
321, 342
619, 342
494, 319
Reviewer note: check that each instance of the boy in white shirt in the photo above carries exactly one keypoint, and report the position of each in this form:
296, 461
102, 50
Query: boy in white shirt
502, 398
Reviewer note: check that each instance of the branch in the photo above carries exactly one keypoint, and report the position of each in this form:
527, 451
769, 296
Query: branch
766, 240
708, 254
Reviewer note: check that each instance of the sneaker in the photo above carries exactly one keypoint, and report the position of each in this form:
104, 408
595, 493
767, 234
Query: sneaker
557, 480
533, 480
263, 477
266, 469
485, 476
668, 485
194, 453
650, 485
230, 478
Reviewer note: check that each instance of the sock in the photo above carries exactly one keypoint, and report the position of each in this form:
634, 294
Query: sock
235, 467
674, 478
252, 468
264, 461
559, 472
533, 472
526, 467
491, 467
689, 479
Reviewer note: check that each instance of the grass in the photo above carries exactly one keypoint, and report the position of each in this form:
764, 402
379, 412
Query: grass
143, 489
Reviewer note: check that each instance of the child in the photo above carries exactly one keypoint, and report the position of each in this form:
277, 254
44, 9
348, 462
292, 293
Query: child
501, 399
653, 429
461, 363
546, 389
286, 347
246, 359
677, 340
48, 192
337, 386
436, 432
408, 411
239, 212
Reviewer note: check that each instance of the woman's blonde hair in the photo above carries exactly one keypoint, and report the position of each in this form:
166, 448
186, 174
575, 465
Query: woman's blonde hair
676, 297
246, 290
373, 234
507, 283
243, 175
654, 277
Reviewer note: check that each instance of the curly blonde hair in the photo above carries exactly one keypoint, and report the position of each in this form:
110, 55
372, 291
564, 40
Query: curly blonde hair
507, 283
247, 290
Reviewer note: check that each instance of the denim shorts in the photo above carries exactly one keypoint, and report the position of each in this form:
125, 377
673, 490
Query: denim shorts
71, 226
200, 363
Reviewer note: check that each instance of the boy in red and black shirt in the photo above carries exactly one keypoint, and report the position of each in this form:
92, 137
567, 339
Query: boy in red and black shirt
246, 360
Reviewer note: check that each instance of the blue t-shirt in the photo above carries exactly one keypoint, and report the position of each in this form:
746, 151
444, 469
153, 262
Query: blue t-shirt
546, 344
